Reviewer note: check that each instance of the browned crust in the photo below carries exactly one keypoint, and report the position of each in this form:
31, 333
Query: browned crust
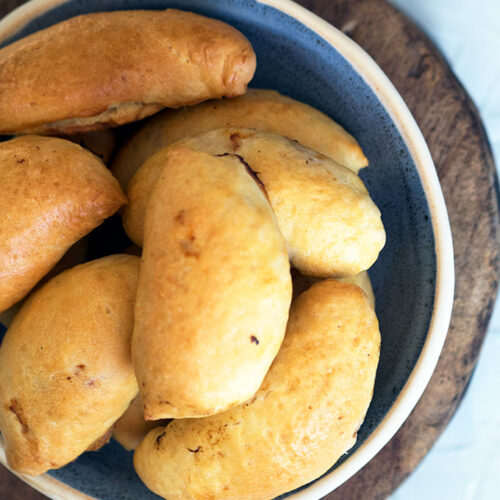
52, 193
110, 68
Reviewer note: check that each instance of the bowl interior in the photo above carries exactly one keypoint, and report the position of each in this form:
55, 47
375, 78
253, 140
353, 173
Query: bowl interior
297, 62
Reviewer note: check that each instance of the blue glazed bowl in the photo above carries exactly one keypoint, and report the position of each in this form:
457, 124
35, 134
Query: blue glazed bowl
302, 56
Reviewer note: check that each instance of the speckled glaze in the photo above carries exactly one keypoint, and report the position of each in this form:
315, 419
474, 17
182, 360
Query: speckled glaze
413, 277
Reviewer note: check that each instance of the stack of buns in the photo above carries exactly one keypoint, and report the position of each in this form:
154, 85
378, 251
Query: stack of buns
195, 354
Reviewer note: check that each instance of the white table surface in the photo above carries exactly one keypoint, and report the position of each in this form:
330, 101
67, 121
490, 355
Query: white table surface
465, 462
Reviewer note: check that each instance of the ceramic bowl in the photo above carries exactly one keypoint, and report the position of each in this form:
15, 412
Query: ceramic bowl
302, 56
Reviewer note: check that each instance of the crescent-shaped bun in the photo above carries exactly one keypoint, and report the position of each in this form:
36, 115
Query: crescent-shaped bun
52, 193
331, 226
214, 288
108, 68
65, 364
303, 418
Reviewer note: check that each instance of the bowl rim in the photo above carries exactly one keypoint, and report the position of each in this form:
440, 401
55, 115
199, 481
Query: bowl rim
406, 125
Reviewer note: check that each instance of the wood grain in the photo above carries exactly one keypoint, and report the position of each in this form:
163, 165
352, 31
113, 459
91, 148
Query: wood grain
459, 147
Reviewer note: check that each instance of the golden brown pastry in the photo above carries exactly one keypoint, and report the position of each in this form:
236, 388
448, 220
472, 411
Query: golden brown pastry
330, 224
52, 193
75, 255
65, 364
363, 281
214, 288
301, 283
104, 69
259, 109
302, 419
132, 428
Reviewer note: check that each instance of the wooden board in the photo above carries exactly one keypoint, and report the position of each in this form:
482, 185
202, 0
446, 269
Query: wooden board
455, 135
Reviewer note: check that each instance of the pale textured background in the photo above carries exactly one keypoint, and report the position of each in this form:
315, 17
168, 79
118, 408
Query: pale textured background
465, 462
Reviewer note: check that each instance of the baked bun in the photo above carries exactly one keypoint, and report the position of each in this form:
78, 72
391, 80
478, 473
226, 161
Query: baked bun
214, 288
108, 68
302, 419
259, 109
331, 226
77, 254
65, 364
52, 193
132, 428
